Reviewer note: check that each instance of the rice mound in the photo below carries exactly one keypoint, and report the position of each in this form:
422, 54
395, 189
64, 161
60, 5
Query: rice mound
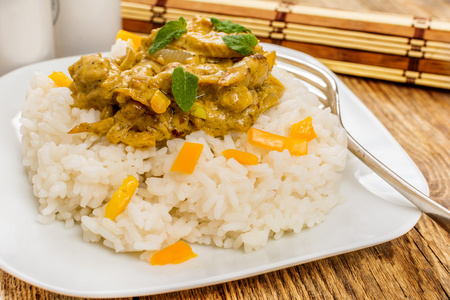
223, 203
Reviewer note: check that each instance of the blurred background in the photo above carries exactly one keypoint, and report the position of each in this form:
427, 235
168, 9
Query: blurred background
403, 45
37, 30
406, 41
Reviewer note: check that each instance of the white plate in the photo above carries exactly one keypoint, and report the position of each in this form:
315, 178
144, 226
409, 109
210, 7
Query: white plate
56, 259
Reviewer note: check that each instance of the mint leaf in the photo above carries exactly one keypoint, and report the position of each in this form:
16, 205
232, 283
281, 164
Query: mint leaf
184, 88
241, 43
172, 30
228, 26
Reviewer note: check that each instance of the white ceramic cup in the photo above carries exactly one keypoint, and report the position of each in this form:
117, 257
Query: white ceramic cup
26, 33
86, 26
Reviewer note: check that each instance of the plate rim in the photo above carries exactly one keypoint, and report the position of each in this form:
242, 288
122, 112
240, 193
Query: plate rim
343, 89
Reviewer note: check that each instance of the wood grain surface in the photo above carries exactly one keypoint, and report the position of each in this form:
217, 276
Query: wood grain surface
399, 47
413, 266
420, 8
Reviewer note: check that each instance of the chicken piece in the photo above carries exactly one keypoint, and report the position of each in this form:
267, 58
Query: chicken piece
236, 98
139, 139
208, 69
128, 60
139, 83
209, 45
251, 71
201, 25
101, 127
221, 122
137, 126
94, 80
158, 125
270, 92
201, 39
124, 119
208, 74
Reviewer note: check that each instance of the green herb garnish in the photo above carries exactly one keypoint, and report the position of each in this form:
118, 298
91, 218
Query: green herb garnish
228, 26
172, 30
241, 43
184, 88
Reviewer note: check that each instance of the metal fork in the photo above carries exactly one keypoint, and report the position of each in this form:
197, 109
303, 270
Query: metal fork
326, 90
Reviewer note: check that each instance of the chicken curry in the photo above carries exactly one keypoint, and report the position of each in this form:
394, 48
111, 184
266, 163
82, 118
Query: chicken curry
137, 93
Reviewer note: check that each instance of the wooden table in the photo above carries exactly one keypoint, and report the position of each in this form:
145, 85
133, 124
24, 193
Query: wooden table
413, 266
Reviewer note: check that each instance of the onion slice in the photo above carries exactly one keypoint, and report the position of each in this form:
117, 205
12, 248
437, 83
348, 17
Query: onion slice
166, 56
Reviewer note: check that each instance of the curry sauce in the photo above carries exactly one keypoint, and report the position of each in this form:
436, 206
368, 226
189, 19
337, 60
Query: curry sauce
134, 92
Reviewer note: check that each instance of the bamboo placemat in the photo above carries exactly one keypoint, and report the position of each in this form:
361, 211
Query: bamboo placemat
391, 47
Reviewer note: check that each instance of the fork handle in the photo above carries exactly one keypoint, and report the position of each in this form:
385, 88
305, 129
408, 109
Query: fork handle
434, 210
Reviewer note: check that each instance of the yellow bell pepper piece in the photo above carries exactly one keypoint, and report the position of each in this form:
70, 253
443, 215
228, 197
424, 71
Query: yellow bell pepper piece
187, 158
159, 102
198, 111
121, 198
60, 79
173, 254
126, 35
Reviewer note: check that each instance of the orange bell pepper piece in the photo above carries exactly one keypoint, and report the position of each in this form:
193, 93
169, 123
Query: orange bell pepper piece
173, 254
277, 142
296, 147
126, 35
60, 79
266, 139
303, 130
187, 158
241, 156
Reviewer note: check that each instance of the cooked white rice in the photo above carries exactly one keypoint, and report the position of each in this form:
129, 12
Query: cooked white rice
223, 203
